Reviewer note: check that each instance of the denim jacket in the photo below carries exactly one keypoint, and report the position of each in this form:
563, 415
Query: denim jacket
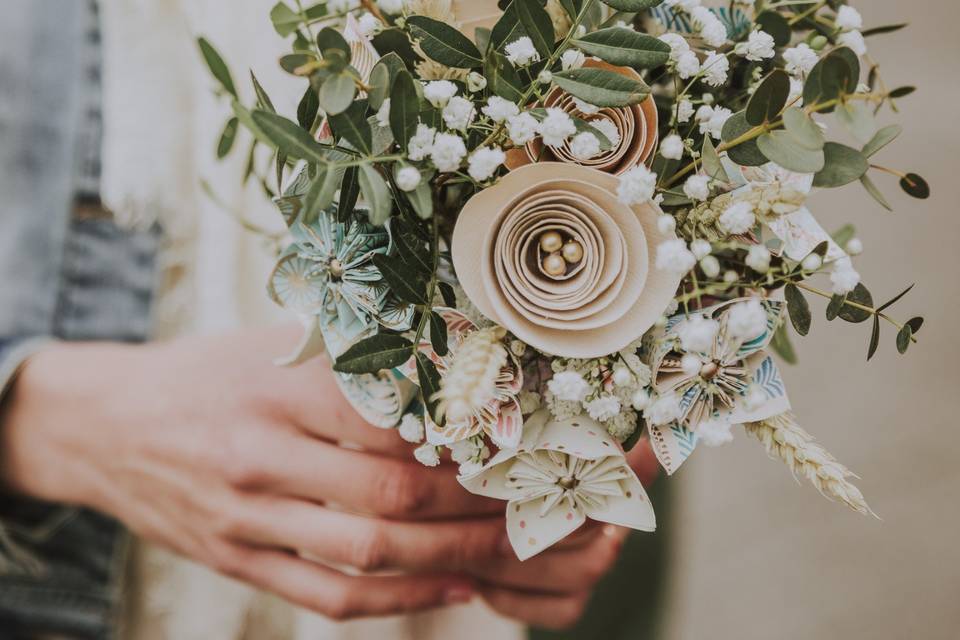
69, 273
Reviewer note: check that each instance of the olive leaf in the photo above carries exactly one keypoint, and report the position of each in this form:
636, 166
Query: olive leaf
404, 108
377, 194
538, 25
289, 137
217, 66
373, 354
626, 47
404, 280
601, 87
441, 42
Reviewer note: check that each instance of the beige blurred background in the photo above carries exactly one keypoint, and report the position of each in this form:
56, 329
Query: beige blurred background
760, 556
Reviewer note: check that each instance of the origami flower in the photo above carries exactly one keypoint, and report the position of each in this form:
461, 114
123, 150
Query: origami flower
560, 475
490, 403
328, 271
551, 255
633, 143
736, 381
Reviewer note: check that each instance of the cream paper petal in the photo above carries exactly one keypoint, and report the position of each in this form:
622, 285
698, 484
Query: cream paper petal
531, 532
628, 316
632, 509
581, 436
381, 399
672, 444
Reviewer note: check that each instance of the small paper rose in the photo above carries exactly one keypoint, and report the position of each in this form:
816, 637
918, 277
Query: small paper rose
632, 144
551, 255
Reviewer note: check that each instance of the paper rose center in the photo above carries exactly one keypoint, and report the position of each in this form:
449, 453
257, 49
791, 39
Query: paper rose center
545, 287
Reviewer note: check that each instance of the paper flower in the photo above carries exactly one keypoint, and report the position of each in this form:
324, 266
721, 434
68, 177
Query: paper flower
560, 475
550, 254
328, 271
479, 398
633, 143
734, 381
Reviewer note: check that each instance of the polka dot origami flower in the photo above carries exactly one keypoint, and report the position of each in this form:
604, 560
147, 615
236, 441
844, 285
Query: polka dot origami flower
561, 474
730, 382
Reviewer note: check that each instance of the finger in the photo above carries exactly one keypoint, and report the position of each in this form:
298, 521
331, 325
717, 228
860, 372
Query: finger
644, 462
381, 485
342, 597
368, 544
546, 611
557, 571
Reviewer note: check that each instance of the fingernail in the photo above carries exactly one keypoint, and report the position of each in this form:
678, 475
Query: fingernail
506, 549
459, 594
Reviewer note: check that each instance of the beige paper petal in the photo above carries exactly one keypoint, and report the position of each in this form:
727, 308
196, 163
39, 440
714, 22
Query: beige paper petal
502, 293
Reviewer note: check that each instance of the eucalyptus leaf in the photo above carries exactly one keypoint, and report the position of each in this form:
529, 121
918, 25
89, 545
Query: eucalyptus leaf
293, 62
329, 40
746, 153
287, 136
836, 74
286, 21
421, 199
842, 165
626, 47
373, 354
538, 25
601, 87
377, 194
351, 125
337, 93
448, 294
441, 42
712, 165
308, 108
875, 192
857, 118
903, 338
321, 192
901, 92
915, 324
217, 66
915, 186
889, 28
874, 338
834, 307
404, 280
381, 79
798, 308
769, 99
860, 295
782, 346
782, 149
895, 299
404, 108
774, 23
882, 138
802, 128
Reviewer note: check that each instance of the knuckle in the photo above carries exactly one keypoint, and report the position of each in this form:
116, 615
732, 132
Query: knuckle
475, 545
569, 612
230, 523
402, 491
370, 549
340, 606
227, 560
242, 459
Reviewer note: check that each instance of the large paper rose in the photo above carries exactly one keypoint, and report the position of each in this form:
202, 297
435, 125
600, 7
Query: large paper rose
550, 254
636, 128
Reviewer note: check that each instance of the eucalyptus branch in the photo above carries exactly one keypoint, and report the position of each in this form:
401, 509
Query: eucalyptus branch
856, 305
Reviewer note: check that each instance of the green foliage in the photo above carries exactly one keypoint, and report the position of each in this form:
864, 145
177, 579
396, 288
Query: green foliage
915, 186
746, 153
601, 87
842, 165
352, 126
780, 147
443, 43
633, 6
289, 137
625, 47
377, 194
798, 308
337, 92
217, 66
373, 354
404, 108
537, 24
769, 99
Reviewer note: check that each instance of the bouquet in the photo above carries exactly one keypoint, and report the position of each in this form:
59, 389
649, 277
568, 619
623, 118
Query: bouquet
529, 234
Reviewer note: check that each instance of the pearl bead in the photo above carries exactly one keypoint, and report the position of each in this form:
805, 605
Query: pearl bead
551, 241
554, 265
573, 252
709, 370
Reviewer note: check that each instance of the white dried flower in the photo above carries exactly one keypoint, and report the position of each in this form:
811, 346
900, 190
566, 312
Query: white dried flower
521, 52
844, 277
476, 82
677, 43
758, 258
459, 113
545, 76
672, 147
411, 428
664, 410
408, 178
636, 186
715, 69
697, 187
698, 334
812, 262
499, 109
738, 218
421, 143
714, 33
484, 161
640, 399
586, 108
391, 7
712, 120
710, 266
448, 151
569, 386
746, 320
691, 364
438, 92
759, 46
666, 223
673, 255
854, 247
369, 25
854, 40
685, 111
556, 127
584, 146
522, 128
688, 65
714, 433
608, 129
700, 248
603, 408
428, 455
572, 59
849, 19
800, 59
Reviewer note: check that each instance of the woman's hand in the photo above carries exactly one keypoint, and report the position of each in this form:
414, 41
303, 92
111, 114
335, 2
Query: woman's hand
204, 446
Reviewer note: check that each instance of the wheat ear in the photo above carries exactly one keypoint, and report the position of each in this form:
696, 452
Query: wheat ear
785, 440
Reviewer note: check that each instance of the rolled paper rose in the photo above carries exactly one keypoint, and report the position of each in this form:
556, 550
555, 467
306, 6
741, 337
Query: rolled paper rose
503, 251
636, 127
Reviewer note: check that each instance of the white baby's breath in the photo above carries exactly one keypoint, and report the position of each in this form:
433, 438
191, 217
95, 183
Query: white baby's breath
484, 162
636, 186
438, 92
498, 109
421, 143
569, 386
408, 178
759, 46
584, 146
458, 113
673, 255
448, 151
672, 147
556, 127
522, 128
738, 218
411, 428
746, 320
521, 52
